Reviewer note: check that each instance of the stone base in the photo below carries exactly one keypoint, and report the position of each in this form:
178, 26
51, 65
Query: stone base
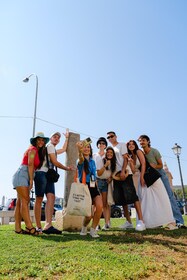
68, 222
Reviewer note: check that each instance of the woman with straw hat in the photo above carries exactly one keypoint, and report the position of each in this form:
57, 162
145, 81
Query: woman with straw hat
23, 182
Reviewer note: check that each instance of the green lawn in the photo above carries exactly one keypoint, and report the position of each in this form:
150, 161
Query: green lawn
117, 254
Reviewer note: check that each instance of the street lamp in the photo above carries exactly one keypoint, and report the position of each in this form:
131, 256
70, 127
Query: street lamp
26, 80
177, 151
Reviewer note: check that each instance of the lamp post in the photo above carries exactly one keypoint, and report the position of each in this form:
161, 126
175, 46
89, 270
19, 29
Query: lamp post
26, 80
177, 151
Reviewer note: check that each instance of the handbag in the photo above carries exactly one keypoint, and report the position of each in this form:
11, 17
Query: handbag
52, 174
79, 201
151, 175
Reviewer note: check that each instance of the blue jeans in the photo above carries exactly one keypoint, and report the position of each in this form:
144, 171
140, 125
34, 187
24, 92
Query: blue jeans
176, 211
42, 186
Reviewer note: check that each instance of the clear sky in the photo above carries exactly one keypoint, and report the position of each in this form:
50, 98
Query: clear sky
101, 65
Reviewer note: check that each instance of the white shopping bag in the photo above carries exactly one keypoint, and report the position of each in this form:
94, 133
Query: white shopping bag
110, 199
79, 202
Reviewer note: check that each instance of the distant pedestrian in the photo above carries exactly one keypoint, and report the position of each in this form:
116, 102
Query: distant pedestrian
23, 182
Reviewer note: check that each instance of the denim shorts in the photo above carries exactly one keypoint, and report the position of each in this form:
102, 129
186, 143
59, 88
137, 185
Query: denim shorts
21, 177
42, 186
102, 185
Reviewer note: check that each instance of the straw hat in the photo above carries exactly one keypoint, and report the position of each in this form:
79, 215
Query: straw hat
39, 135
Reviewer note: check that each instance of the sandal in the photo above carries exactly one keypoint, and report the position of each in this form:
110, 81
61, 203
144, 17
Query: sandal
170, 227
22, 231
32, 231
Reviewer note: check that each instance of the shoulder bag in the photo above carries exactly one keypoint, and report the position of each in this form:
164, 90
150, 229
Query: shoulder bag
151, 175
52, 174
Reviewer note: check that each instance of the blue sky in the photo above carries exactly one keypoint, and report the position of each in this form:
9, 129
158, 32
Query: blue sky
101, 65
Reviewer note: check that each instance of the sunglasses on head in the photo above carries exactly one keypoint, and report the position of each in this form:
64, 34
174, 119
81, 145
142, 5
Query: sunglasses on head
110, 136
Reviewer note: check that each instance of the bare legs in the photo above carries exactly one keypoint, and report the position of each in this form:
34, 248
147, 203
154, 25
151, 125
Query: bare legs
126, 213
106, 208
137, 206
22, 209
49, 208
97, 213
37, 211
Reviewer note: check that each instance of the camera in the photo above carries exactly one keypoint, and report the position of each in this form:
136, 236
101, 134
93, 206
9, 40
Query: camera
86, 141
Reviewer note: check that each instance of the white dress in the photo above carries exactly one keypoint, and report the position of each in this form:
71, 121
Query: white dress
155, 204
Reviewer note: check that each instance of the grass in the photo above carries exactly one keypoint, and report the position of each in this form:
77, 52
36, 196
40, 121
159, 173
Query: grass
117, 254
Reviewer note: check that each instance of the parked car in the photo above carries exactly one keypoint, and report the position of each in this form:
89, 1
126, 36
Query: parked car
116, 211
56, 207
11, 204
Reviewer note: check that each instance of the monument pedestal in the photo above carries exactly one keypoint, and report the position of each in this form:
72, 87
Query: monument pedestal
68, 222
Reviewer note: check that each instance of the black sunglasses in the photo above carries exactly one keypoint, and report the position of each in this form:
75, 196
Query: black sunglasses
110, 136
102, 143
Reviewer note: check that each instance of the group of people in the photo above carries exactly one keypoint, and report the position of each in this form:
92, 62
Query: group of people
38, 158
114, 175
122, 167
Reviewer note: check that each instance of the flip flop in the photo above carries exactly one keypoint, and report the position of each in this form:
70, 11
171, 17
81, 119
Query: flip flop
52, 230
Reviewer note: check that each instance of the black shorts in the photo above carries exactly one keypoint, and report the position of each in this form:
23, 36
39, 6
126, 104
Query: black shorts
124, 191
93, 191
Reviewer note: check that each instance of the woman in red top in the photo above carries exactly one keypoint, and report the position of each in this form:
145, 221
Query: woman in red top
23, 181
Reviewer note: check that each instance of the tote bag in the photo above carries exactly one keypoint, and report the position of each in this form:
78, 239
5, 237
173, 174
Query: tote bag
79, 201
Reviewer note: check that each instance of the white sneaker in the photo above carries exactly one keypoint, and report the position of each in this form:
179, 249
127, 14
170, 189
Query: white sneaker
126, 225
98, 227
83, 231
106, 227
140, 226
93, 233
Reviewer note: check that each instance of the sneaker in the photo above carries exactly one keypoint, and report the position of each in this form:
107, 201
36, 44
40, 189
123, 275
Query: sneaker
93, 233
39, 230
106, 227
126, 225
83, 231
181, 226
98, 227
140, 226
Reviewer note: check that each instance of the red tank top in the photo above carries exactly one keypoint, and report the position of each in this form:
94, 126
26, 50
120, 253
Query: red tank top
36, 158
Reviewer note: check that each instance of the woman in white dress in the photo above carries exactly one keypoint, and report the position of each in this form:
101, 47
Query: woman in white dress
155, 204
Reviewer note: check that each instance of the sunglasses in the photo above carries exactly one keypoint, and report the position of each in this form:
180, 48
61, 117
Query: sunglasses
111, 136
102, 143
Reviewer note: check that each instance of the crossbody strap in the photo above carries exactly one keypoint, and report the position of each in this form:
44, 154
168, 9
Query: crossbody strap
48, 159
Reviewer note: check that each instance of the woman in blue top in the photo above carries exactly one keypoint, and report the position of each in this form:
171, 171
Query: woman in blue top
87, 164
